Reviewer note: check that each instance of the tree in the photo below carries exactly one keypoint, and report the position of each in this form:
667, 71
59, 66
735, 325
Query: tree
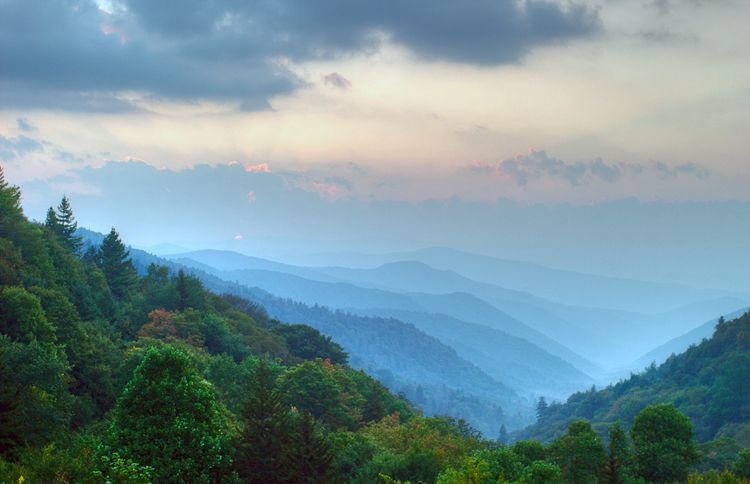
502, 436
263, 447
116, 264
22, 317
168, 418
663, 444
619, 454
742, 465
580, 454
541, 408
63, 224
34, 401
541, 472
311, 454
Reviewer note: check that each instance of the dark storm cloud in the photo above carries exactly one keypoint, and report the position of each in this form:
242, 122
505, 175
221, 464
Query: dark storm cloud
537, 164
234, 50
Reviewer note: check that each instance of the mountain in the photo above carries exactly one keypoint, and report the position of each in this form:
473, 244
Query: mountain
677, 345
514, 361
708, 382
563, 286
348, 296
621, 336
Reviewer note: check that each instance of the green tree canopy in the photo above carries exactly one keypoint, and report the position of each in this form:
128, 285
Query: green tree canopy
580, 454
168, 418
22, 317
663, 444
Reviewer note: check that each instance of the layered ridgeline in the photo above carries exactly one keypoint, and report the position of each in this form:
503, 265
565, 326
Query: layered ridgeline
553, 325
106, 375
111, 376
523, 358
409, 362
709, 382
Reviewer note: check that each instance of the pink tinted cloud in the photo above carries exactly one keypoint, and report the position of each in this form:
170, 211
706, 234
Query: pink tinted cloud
337, 80
328, 190
259, 168
238, 237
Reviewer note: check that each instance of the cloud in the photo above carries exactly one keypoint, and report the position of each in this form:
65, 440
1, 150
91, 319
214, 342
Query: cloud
537, 164
73, 55
337, 80
25, 125
17, 146
259, 168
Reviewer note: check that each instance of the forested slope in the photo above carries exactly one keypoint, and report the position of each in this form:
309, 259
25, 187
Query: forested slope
708, 382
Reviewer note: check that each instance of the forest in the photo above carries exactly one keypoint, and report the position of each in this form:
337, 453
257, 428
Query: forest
111, 374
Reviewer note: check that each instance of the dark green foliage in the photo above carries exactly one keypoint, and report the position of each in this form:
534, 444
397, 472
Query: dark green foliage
307, 343
322, 389
22, 317
169, 418
116, 264
619, 454
311, 455
541, 472
742, 466
36, 406
580, 454
265, 441
664, 449
190, 293
529, 451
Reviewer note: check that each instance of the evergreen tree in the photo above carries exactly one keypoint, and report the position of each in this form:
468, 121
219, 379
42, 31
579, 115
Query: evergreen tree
619, 454
502, 437
541, 408
263, 448
311, 456
374, 409
10, 208
51, 220
168, 418
116, 264
67, 227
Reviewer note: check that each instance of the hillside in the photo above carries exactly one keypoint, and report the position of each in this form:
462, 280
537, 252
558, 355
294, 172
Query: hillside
408, 361
679, 344
341, 295
527, 369
708, 382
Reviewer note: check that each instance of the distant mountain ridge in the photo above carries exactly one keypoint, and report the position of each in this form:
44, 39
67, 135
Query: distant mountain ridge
402, 357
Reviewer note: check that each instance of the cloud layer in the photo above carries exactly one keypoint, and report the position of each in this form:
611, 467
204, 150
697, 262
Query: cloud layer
538, 164
74, 55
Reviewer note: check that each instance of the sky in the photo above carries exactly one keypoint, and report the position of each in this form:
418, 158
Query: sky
351, 106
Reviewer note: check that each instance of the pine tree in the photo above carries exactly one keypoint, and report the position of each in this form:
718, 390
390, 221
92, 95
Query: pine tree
374, 409
51, 221
67, 227
541, 408
311, 455
263, 448
502, 437
116, 264
10, 208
